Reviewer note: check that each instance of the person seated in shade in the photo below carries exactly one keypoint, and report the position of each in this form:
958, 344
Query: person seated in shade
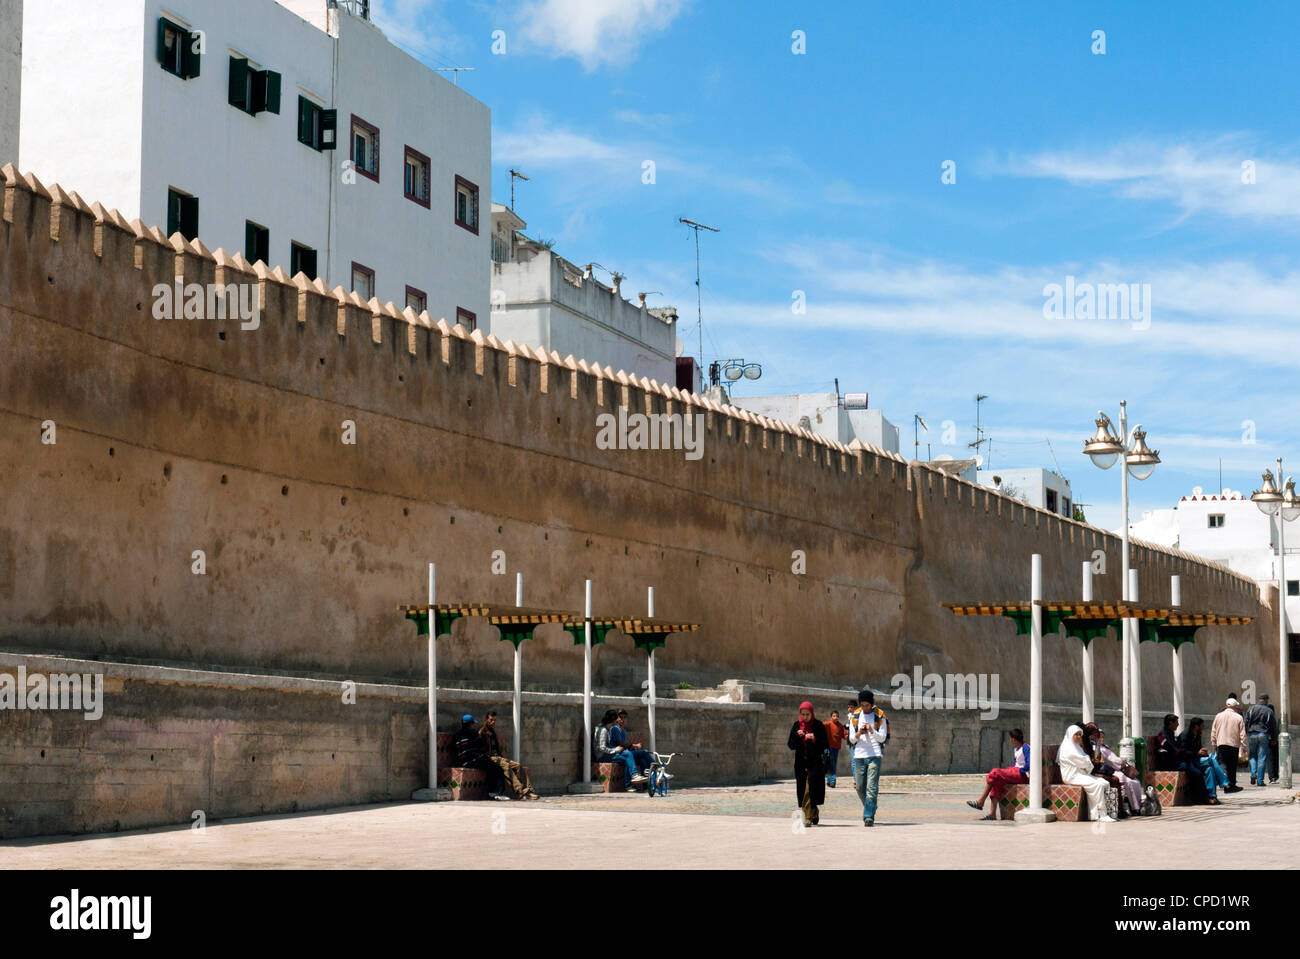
470, 754
618, 735
514, 774
1126, 775
1204, 774
605, 750
999, 779
1076, 770
1165, 757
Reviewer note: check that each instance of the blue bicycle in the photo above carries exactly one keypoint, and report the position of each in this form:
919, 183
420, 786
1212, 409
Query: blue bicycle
659, 774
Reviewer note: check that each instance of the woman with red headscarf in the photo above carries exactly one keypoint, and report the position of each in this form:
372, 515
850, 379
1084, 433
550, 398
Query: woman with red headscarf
808, 740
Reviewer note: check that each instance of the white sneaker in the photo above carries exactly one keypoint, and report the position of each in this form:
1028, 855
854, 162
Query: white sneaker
1107, 819
640, 779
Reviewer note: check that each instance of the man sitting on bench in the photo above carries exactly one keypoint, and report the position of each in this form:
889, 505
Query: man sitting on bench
470, 755
618, 736
515, 775
605, 750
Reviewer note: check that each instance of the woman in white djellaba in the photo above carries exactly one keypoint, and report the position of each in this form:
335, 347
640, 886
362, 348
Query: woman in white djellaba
1076, 770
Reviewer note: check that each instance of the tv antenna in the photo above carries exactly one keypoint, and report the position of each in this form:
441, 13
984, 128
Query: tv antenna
514, 175
699, 311
455, 75
916, 436
979, 430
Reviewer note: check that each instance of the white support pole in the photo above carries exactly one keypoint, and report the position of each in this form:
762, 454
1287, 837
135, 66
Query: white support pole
433, 685
1088, 673
586, 688
650, 666
1126, 750
1176, 600
1137, 659
1283, 689
519, 674
1036, 813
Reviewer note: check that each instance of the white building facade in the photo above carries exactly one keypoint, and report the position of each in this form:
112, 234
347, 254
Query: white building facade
541, 299
289, 130
826, 415
1228, 528
11, 77
1036, 486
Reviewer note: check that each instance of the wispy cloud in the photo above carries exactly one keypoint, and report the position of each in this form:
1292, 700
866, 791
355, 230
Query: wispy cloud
1227, 176
596, 32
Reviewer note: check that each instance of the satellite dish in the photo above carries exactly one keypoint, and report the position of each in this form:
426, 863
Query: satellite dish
943, 457
681, 347
979, 461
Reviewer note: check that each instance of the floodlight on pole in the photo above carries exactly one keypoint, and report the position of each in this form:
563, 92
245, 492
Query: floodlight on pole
1286, 507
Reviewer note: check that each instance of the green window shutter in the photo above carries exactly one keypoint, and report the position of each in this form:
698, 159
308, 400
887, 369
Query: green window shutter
192, 56
189, 217
257, 91
173, 212
329, 129
304, 121
271, 97
239, 83
162, 40
250, 242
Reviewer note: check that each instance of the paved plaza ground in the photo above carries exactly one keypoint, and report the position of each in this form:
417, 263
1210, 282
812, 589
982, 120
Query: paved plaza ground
922, 822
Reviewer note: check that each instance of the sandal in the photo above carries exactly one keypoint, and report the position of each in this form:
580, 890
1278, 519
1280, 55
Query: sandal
973, 804
990, 816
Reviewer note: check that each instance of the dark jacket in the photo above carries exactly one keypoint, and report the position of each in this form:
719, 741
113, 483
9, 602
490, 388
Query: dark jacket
1166, 756
469, 748
808, 756
491, 742
1260, 719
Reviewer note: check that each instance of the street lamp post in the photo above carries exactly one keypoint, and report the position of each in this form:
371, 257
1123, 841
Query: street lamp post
1105, 447
1286, 507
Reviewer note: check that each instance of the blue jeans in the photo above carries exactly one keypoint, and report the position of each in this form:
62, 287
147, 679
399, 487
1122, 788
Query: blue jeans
641, 757
832, 761
1211, 772
866, 780
1258, 745
628, 760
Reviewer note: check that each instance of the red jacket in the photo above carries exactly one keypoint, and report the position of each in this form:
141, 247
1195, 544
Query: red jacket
835, 733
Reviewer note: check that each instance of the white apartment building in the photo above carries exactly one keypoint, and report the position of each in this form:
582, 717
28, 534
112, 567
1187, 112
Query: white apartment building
1228, 528
292, 131
541, 299
825, 415
1038, 487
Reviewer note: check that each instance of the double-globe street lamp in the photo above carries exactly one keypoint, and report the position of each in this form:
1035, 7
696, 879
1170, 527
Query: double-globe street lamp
1285, 506
1105, 447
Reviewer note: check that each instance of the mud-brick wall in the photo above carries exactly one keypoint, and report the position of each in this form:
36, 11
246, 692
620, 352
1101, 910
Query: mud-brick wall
182, 435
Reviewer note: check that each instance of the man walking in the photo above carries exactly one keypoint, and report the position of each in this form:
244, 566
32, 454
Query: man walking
835, 733
1272, 748
1228, 735
1261, 727
868, 733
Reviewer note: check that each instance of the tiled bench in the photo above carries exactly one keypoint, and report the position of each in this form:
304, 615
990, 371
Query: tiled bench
1171, 787
465, 784
1067, 802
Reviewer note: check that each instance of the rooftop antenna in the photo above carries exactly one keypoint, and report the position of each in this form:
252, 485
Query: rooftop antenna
455, 78
699, 311
514, 175
1054, 462
979, 430
916, 436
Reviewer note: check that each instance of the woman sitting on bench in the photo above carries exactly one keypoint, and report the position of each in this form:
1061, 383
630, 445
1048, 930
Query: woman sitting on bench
998, 779
1130, 789
1076, 770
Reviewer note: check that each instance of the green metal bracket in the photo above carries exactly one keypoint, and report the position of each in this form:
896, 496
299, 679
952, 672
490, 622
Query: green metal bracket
1086, 630
1175, 636
598, 632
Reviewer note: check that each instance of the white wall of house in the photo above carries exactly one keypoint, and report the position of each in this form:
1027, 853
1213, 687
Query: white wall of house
11, 75
116, 127
541, 299
1033, 486
821, 413
1241, 538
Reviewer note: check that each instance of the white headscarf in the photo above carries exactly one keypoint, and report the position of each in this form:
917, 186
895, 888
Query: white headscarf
1071, 753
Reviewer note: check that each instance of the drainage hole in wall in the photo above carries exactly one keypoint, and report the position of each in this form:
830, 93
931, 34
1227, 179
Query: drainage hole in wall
223, 479
405, 511
401, 378
111, 451
453, 521
322, 361
151, 757
51, 279
343, 501
222, 336
167, 470
42, 753
284, 491
469, 402
499, 530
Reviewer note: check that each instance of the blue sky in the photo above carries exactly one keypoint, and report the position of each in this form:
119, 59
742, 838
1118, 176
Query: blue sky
823, 172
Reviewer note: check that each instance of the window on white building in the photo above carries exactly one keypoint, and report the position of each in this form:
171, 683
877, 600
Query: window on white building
1065, 508
257, 243
417, 177
467, 319
178, 49
182, 214
365, 148
363, 281
302, 259
1051, 501
317, 127
466, 204
416, 299
1293, 587
1216, 521
253, 91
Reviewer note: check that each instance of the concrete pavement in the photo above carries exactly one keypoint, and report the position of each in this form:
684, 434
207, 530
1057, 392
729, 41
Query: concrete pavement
923, 822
